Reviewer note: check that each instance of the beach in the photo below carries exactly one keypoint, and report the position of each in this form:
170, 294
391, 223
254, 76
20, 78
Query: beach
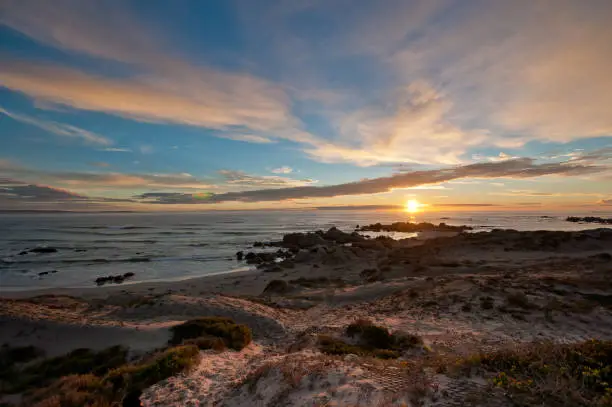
461, 293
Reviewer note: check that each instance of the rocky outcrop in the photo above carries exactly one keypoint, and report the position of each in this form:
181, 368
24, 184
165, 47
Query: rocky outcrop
336, 235
589, 219
43, 250
303, 240
277, 287
117, 279
407, 227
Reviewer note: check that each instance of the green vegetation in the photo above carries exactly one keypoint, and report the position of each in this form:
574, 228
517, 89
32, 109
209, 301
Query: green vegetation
109, 388
372, 340
548, 374
79, 361
233, 335
146, 373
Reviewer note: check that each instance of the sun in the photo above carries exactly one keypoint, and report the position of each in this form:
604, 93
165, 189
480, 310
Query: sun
412, 206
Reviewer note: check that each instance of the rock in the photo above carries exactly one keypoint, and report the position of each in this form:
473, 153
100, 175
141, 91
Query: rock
303, 240
276, 287
272, 269
43, 273
338, 255
602, 257
338, 236
287, 264
53, 271
258, 244
43, 250
303, 256
117, 279
132, 399
371, 275
408, 227
239, 255
84, 250
370, 245
589, 219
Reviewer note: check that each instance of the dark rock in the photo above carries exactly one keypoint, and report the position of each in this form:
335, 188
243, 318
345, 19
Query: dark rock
43, 273
276, 287
249, 256
602, 257
336, 235
117, 279
239, 255
589, 219
53, 271
408, 227
371, 275
22, 253
132, 399
138, 259
258, 244
303, 240
287, 264
80, 250
43, 250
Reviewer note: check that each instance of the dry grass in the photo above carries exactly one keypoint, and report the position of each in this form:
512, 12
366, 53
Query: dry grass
546, 374
234, 336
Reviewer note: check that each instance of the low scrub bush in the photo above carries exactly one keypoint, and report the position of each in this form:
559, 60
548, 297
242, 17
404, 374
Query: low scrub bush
159, 367
372, 340
79, 361
235, 336
548, 374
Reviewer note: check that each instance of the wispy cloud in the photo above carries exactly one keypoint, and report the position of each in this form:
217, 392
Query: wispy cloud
118, 150
282, 170
240, 178
64, 130
101, 180
517, 168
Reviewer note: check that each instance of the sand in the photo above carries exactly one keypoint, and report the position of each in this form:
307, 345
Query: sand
540, 287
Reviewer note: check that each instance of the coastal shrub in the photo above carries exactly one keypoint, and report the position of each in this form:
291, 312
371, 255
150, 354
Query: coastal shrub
11, 356
372, 340
110, 388
168, 363
72, 391
207, 342
549, 374
370, 334
79, 361
235, 336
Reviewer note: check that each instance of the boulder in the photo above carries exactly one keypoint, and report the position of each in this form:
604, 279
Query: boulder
239, 255
43, 250
338, 236
303, 240
276, 287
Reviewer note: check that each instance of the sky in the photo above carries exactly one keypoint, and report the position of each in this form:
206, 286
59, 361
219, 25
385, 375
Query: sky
202, 105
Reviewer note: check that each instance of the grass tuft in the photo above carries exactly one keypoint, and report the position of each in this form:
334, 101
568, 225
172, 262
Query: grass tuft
372, 340
548, 374
234, 336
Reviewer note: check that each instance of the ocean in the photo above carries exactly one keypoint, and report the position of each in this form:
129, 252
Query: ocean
174, 246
